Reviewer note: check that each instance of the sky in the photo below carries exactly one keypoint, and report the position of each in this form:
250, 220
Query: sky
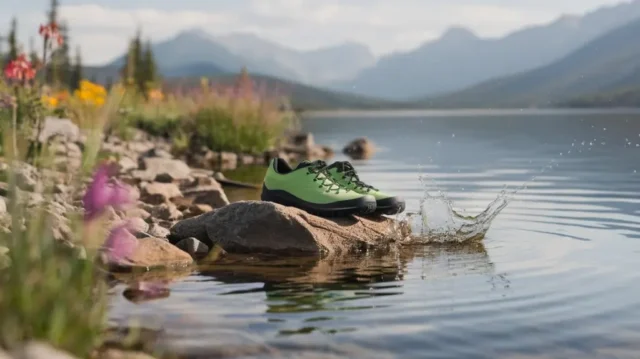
101, 28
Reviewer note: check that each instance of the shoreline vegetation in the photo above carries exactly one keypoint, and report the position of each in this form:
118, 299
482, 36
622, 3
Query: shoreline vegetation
104, 186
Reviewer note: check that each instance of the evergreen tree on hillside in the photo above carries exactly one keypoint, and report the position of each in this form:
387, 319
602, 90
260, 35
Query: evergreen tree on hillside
148, 70
61, 61
33, 53
52, 72
76, 75
13, 40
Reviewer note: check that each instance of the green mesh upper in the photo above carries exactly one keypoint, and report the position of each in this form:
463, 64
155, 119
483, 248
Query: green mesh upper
309, 182
344, 174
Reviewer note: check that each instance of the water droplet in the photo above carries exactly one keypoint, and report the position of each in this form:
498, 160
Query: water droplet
637, 144
453, 135
634, 171
603, 143
560, 153
590, 143
604, 129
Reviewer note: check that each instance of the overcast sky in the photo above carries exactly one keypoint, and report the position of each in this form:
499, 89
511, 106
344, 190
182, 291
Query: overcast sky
101, 27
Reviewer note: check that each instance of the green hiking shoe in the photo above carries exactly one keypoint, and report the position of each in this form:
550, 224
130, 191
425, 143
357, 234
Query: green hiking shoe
310, 188
343, 173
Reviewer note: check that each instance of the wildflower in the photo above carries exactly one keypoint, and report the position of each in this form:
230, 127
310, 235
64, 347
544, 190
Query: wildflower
52, 32
20, 69
51, 101
102, 192
119, 245
7, 101
156, 95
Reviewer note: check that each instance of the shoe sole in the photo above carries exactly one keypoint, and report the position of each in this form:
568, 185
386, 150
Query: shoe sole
390, 206
362, 206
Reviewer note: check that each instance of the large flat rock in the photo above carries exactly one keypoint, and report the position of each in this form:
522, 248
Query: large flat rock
266, 227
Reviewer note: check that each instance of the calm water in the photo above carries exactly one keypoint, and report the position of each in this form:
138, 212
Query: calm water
556, 276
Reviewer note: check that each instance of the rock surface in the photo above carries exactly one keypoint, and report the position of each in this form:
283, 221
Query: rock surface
194, 247
37, 350
156, 253
360, 148
265, 227
194, 227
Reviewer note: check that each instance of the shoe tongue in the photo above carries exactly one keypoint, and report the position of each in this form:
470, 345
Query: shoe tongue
304, 164
307, 163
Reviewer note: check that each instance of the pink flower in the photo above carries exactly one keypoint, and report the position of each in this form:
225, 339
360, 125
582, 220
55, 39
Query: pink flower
120, 245
51, 31
103, 192
20, 69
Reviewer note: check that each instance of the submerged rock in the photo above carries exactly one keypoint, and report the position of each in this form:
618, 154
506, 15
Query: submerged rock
266, 227
360, 148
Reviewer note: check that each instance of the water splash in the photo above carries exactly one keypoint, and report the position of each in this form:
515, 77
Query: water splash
438, 222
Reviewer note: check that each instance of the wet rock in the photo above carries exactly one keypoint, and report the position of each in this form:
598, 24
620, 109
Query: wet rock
360, 148
60, 127
266, 227
154, 166
303, 140
193, 227
158, 193
157, 253
167, 212
194, 247
156, 230
37, 350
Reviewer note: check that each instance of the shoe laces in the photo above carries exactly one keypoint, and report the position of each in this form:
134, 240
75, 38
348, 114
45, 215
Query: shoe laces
319, 168
349, 173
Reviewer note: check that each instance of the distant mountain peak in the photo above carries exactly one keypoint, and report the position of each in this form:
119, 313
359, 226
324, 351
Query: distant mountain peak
458, 33
194, 32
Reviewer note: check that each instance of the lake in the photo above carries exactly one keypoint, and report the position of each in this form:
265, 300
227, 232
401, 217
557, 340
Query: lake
555, 277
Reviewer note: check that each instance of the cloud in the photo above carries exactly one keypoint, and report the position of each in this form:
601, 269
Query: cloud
102, 30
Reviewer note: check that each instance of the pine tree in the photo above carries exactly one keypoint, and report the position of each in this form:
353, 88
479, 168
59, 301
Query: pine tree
60, 60
13, 40
149, 68
244, 84
52, 74
33, 53
76, 75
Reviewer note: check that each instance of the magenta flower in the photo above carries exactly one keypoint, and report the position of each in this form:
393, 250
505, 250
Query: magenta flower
102, 192
119, 245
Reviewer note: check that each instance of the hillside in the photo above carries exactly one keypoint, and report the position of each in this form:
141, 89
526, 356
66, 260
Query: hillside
460, 59
229, 53
607, 64
301, 97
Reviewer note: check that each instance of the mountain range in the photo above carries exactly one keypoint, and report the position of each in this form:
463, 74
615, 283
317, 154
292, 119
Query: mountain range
566, 61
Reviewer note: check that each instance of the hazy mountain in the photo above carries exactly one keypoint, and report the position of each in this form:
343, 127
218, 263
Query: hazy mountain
197, 47
230, 52
460, 59
610, 63
317, 66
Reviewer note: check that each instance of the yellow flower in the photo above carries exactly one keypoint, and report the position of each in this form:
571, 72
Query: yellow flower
51, 101
156, 95
90, 93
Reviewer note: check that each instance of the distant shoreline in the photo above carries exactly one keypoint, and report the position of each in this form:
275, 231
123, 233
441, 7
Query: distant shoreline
469, 112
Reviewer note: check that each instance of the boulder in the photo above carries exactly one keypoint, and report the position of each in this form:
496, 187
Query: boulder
193, 227
157, 231
158, 193
266, 227
154, 166
62, 127
360, 148
153, 252
166, 212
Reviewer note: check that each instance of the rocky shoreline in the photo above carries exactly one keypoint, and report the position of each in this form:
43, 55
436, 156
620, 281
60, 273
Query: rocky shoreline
181, 211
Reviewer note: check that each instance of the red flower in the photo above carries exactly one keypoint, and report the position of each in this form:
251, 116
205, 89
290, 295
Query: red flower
20, 69
51, 31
